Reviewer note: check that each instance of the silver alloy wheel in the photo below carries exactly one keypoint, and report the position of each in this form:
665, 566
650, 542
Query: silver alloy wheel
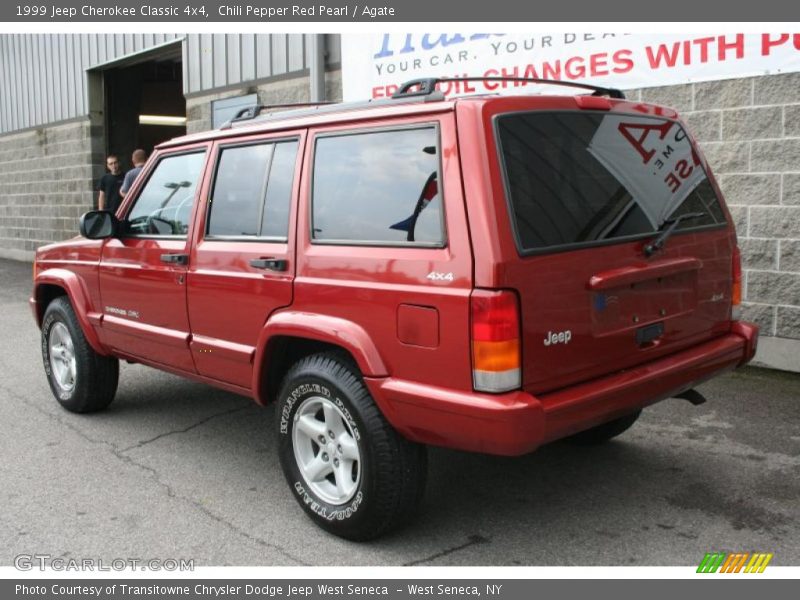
62, 357
325, 450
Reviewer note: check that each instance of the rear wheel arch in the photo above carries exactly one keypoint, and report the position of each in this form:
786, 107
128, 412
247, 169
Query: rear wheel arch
281, 352
290, 335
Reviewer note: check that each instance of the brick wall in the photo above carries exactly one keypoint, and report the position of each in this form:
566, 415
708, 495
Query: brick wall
749, 129
46, 182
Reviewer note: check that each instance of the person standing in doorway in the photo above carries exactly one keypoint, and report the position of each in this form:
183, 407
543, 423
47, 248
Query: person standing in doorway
138, 158
109, 186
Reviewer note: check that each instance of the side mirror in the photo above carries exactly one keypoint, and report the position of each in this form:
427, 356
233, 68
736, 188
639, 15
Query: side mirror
98, 225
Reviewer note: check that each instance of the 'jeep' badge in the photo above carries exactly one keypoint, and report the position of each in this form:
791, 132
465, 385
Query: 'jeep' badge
562, 337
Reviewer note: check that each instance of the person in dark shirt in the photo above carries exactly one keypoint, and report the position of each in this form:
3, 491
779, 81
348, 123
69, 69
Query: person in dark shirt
109, 185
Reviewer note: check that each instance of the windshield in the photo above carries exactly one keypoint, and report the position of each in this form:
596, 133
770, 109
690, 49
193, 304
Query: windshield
581, 177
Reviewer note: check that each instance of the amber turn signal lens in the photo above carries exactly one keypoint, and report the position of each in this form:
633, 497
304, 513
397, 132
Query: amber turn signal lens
736, 268
496, 356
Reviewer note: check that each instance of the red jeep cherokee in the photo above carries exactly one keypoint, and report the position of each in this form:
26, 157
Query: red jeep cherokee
487, 273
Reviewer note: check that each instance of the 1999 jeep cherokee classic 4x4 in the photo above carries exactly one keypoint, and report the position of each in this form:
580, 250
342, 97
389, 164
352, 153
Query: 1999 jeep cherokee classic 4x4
486, 273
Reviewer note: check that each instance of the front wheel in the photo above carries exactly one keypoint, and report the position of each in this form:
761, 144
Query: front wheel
80, 379
352, 473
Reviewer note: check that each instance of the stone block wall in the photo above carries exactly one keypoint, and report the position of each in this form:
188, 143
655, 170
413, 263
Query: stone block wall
749, 130
285, 91
47, 176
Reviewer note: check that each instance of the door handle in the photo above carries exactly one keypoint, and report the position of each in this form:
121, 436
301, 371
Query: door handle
273, 264
175, 259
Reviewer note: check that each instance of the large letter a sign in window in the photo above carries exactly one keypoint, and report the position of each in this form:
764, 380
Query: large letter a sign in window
652, 158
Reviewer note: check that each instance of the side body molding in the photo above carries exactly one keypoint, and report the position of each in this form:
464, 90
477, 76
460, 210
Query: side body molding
332, 330
78, 297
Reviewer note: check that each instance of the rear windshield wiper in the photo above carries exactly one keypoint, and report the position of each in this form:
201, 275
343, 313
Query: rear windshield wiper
659, 242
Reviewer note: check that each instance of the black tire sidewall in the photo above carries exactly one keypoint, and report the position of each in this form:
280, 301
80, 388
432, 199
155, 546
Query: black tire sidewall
57, 313
341, 518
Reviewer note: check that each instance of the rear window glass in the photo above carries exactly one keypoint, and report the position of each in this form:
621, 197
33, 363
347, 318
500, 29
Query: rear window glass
584, 177
378, 188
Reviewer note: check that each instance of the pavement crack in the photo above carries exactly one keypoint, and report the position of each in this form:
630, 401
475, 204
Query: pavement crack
80, 433
155, 476
472, 541
185, 429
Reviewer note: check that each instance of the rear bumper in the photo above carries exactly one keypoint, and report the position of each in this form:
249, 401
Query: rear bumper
517, 422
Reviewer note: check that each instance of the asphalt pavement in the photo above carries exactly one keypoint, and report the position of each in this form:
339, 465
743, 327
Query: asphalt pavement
177, 469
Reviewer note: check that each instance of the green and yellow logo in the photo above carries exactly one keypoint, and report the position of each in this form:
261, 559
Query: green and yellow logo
736, 562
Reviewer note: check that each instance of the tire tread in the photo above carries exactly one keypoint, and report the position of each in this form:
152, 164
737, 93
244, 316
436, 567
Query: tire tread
101, 373
400, 464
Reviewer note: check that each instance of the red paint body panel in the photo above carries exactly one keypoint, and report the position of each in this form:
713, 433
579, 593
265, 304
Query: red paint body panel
625, 276
345, 334
579, 407
555, 288
79, 295
144, 301
366, 284
418, 325
225, 334
144, 298
517, 422
217, 318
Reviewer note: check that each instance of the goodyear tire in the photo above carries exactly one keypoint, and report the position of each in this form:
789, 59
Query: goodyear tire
80, 379
605, 432
351, 472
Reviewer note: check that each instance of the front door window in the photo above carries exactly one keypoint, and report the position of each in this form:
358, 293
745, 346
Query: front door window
164, 206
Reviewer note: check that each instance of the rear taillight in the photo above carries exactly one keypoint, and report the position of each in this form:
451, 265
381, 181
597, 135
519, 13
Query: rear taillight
736, 286
495, 341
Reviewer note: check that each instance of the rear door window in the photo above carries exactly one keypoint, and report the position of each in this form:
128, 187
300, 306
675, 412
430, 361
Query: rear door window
578, 178
275, 217
253, 190
379, 187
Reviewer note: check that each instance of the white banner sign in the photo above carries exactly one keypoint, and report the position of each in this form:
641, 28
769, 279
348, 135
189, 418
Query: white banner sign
639, 152
373, 65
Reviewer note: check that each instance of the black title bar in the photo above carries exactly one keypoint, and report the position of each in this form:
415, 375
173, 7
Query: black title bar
425, 11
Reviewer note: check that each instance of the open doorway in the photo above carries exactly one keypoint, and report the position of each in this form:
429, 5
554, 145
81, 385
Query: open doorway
144, 105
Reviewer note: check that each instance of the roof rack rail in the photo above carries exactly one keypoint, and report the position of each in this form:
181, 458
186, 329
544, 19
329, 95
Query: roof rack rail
428, 85
329, 107
251, 112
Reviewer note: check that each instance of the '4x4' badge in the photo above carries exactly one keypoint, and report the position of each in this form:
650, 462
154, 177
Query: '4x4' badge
437, 276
